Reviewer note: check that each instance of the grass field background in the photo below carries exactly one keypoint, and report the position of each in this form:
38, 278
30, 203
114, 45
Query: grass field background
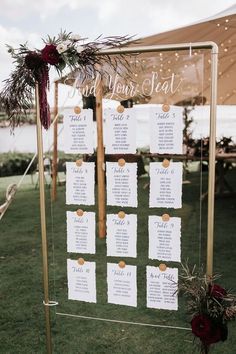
22, 312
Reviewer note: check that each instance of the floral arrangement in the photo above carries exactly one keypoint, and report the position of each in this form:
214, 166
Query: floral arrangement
32, 66
209, 305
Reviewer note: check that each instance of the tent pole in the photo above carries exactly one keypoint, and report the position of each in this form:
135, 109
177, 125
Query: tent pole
100, 164
55, 154
212, 153
43, 222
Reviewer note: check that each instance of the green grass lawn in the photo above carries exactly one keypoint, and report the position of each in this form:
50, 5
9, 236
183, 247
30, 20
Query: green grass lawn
22, 313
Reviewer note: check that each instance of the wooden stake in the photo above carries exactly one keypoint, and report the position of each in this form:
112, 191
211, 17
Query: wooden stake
55, 132
100, 165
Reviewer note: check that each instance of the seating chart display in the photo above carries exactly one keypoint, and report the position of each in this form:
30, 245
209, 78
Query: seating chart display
126, 267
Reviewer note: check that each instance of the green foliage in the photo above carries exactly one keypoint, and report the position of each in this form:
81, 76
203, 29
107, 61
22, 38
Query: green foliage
15, 163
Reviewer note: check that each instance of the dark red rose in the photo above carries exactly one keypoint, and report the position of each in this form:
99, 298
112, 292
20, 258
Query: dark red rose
213, 336
50, 54
201, 326
33, 61
217, 333
207, 330
217, 291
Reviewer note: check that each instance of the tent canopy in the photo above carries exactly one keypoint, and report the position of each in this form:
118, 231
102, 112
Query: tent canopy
220, 29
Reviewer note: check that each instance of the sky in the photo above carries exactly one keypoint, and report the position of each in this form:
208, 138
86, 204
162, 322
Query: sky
29, 21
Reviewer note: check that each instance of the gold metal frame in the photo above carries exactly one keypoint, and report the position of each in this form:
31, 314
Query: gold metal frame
211, 177
43, 223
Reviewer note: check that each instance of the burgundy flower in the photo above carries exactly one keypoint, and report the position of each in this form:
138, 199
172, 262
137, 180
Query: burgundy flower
219, 332
217, 291
201, 326
50, 54
213, 336
207, 330
33, 61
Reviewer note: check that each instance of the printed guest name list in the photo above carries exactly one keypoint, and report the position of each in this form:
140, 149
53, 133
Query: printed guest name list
78, 132
80, 183
122, 285
81, 281
165, 185
122, 184
162, 288
81, 232
164, 238
120, 131
166, 130
122, 235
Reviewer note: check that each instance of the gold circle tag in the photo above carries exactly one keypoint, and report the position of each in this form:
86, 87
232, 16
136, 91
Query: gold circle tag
165, 217
120, 109
79, 212
80, 261
162, 267
165, 107
121, 214
122, 264
121, 162
165, 163
77, 110
79, 162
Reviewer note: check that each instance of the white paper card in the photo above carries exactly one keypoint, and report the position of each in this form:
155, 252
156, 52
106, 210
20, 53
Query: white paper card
120, 131
122, 285
166, 130
164, 238
122, 235
165, 185
122, 184
161, 288
80, 232
78, 131
81, 281
80, 183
